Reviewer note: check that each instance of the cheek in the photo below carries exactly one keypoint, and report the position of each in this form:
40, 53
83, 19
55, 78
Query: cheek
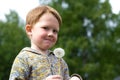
56, 38
39, 33
36, 35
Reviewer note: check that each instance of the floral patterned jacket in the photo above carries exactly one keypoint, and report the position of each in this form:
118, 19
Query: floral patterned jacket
32, 65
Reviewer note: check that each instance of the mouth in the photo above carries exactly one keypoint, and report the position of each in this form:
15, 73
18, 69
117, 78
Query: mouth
48, 40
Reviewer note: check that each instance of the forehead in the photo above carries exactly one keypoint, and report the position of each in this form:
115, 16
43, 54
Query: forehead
48, 20
49, 17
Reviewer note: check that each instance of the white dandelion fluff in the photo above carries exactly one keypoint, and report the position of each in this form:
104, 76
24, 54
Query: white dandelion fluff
59, 52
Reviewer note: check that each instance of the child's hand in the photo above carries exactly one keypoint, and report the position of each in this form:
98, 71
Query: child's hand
54, 77
75, 78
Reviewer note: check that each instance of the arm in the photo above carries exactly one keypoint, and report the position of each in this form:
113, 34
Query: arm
66, 73
20, 69
65, 70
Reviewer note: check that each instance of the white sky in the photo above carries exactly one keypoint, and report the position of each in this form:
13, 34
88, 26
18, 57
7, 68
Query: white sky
115, 6
20, 6
23, 6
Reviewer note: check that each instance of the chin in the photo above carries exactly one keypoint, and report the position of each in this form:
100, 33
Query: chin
48, 47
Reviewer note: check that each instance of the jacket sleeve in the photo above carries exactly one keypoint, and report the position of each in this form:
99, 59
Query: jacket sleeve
20, 69
65, 70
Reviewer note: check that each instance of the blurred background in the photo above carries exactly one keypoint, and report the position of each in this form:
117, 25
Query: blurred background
90, 35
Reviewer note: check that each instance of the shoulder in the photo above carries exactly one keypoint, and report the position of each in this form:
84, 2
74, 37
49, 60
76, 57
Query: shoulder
26, 53
23, 55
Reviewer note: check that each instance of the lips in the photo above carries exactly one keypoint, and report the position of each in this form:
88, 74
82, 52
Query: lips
49, 40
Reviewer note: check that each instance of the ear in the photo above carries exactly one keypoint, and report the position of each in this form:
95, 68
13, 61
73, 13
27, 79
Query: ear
28, 29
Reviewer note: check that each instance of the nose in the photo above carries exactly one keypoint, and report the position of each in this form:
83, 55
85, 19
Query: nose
50, 33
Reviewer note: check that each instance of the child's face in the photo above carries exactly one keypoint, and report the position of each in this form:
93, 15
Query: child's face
45, 32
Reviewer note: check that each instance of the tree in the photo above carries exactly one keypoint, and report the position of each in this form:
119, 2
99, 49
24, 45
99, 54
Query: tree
90, 37
12, 40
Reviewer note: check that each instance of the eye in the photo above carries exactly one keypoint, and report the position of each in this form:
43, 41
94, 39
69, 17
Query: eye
55, 31
46, 28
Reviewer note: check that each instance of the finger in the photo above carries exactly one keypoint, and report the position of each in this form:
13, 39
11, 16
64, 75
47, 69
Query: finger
57, 77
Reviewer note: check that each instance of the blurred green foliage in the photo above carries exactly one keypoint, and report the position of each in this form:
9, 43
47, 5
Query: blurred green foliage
90, 37
12, 40
89, 34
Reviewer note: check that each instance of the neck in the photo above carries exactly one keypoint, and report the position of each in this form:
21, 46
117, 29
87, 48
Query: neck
39, 49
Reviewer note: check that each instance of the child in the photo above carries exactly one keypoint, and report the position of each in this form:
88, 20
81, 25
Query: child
38, 62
